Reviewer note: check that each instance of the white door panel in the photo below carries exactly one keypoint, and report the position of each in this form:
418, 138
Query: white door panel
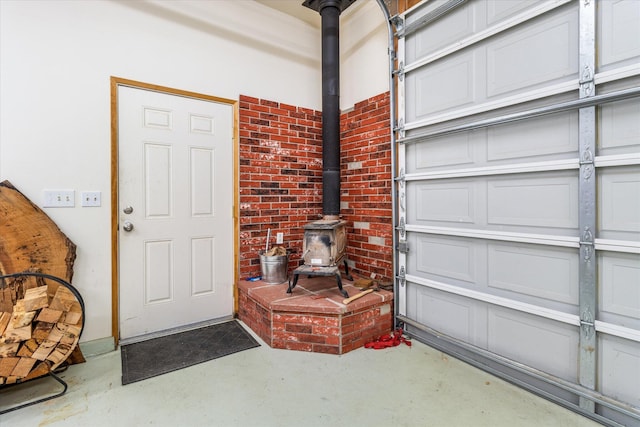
175, 164
529, 57
619, 39
620, 364
619, 276
535, 341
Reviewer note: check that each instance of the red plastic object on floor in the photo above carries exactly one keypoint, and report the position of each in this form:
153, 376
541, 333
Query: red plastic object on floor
388, 340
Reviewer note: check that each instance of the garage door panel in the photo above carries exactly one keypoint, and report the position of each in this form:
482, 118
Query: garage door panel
494, 271
451, 260
456, 316
440, 153
541, 343
619, 362
455, 26
543, 272
619, 203
539, 200
459, 24
499, 10
620, 127
547, 201
443, 86
619, 277
541, 53
619, 37
543, 138
451, 201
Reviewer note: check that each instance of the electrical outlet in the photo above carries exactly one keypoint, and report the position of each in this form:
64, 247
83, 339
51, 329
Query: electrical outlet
279, 238
59, 199
90, 198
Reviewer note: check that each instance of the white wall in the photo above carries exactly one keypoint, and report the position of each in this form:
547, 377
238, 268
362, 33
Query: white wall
56, 58
364, 59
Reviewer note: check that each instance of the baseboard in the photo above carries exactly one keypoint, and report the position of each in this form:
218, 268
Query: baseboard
97, 347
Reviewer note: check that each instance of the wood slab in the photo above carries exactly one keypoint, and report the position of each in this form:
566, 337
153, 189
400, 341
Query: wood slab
40, 320
30, 240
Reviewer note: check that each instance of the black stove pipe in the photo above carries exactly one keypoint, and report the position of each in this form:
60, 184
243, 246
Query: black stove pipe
330, 13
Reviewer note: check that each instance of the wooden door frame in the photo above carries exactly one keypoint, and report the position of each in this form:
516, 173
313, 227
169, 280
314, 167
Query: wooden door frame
115, 278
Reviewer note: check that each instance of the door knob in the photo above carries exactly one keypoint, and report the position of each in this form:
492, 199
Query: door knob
127, 226
128, 210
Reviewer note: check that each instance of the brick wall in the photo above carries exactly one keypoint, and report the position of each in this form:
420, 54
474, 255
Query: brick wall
281, 180
366, 186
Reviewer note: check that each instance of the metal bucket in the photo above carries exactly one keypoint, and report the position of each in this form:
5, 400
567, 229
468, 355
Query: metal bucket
274, 268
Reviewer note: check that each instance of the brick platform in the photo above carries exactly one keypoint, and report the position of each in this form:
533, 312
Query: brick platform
314, 318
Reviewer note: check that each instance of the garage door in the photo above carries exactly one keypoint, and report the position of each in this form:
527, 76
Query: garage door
518, 193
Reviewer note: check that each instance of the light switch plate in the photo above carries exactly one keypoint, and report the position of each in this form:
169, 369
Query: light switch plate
59, 199
91, 198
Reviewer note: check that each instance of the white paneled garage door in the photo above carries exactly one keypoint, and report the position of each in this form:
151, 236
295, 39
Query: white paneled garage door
518, 193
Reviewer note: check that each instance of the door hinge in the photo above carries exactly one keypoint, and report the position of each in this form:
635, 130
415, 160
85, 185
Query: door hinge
587, 242
586, 82
402, 229
401, 276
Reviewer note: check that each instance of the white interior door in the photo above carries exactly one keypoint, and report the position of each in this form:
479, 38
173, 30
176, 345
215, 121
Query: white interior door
175, 211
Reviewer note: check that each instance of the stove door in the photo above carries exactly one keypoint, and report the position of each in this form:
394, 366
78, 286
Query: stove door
317, 247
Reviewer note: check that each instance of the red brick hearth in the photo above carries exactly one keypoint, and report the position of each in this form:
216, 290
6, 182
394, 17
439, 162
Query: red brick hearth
313, 318
281, 190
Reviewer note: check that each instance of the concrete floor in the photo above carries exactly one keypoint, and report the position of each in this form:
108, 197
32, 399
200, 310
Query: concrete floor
400, 386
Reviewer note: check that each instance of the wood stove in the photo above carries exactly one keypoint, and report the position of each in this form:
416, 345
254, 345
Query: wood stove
323, 248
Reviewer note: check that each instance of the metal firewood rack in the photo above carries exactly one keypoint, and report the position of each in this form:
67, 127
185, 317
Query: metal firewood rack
17, 279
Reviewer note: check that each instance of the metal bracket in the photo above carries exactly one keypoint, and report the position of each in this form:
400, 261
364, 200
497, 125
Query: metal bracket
400, 71
587, 84
400, 126
587, 242
587, 158
398, 22
401, 178
588, 167
402, 228
403, 247
402, 276
587, 323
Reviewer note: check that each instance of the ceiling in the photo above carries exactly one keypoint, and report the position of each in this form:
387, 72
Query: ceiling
295, 9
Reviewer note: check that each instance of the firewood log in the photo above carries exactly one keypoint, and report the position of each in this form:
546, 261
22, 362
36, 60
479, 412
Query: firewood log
35, 298
23, 367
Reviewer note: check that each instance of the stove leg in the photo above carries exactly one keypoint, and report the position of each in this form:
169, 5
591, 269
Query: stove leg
339, 280
291, 286
346, 270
